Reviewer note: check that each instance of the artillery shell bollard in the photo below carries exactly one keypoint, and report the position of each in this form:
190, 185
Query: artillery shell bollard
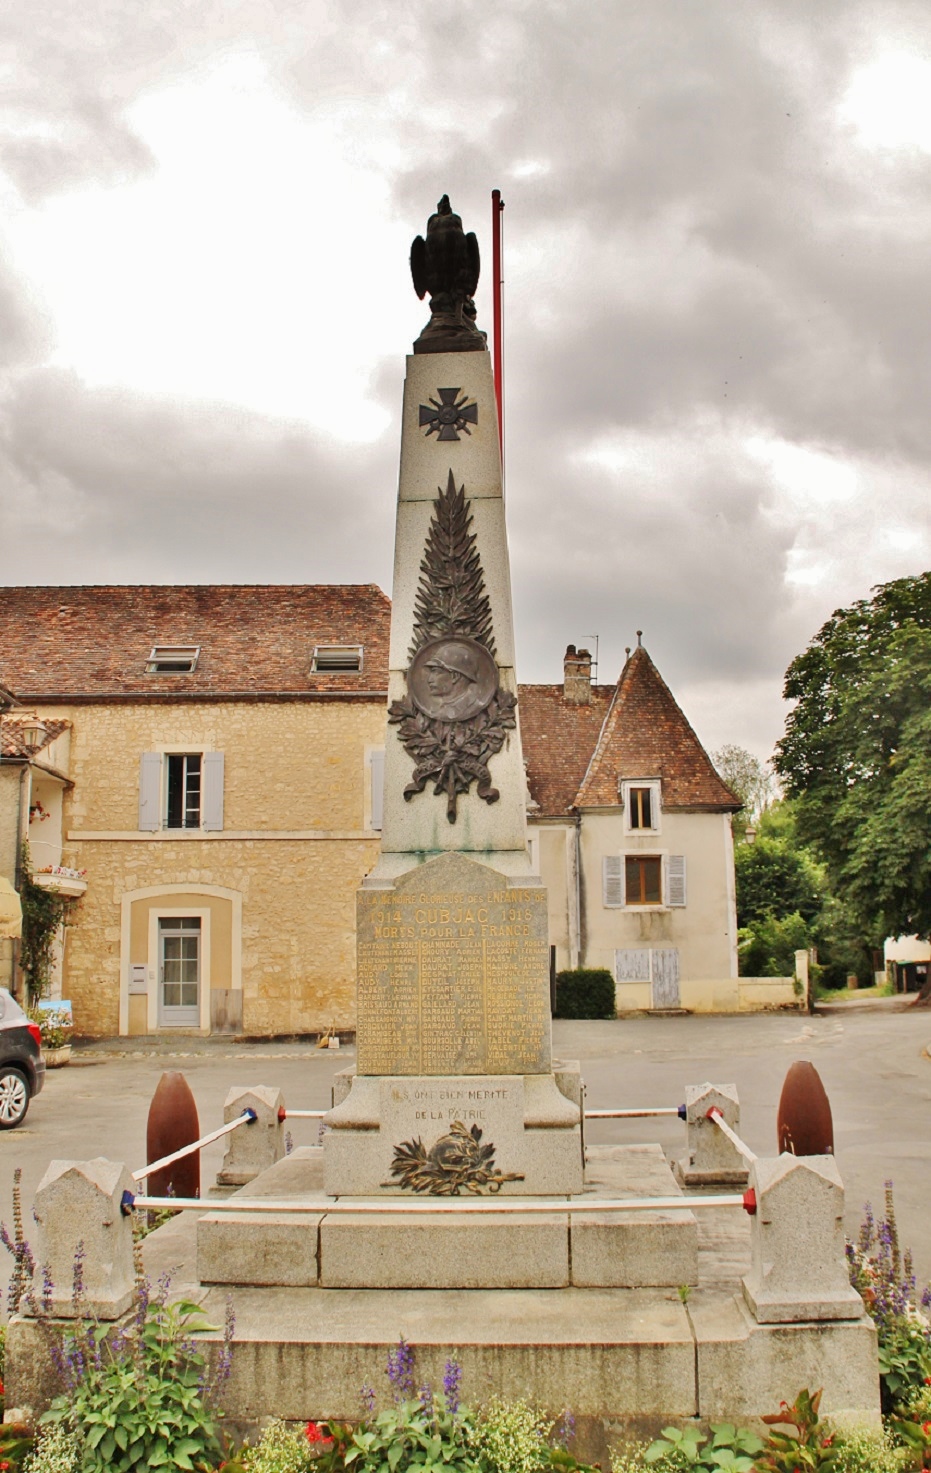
256, 1146
804, 1125
172, 1125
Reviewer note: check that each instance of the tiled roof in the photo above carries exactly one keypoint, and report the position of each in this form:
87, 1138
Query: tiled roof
558, 739
646, 735
11, 741
254, 639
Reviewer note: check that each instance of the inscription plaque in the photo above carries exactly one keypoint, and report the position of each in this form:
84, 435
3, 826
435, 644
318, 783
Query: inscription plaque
453, 974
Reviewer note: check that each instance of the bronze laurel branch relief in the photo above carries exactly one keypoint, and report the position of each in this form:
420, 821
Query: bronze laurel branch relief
455, 716
457, 1160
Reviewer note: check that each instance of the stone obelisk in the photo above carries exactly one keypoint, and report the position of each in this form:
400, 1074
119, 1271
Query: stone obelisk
454, 1087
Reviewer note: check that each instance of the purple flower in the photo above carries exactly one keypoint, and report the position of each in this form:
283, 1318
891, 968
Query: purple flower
367, 1397
452, 1376
400, 1370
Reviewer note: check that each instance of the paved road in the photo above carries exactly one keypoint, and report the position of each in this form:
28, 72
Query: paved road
872, 1064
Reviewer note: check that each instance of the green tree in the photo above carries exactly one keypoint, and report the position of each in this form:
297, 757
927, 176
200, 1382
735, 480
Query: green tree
784, 905
856, 755
749, 779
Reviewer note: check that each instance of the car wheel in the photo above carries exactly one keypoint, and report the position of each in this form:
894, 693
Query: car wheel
14, 1098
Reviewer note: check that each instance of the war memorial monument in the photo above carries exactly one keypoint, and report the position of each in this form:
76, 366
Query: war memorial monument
454, 1201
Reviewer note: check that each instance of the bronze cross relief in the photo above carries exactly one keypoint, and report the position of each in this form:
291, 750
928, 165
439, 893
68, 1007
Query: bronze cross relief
446, 416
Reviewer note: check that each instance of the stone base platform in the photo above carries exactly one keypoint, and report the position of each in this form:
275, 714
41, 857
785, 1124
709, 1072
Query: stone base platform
625, 1361
510, 1250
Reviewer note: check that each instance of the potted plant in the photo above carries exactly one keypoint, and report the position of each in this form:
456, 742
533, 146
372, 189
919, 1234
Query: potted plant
56, 1027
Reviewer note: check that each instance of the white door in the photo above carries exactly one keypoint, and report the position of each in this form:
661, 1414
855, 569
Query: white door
665, 970
179, 972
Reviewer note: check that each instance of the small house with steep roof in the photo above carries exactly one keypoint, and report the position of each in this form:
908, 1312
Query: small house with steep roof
630, 830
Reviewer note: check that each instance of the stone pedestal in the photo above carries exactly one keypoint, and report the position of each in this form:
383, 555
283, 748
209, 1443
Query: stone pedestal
254, 1147
712, 1159
799, 1266
83, 1236
451, 1135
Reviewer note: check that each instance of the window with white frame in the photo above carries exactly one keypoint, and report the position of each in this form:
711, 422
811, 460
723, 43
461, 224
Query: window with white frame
635, 881
173, 659
640, 798
181, 790
333, 657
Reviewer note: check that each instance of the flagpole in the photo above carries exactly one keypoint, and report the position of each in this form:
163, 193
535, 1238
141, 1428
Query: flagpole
497, 206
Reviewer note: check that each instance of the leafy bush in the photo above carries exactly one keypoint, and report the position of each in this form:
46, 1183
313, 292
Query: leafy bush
511, 1437
55, 1026
809, 1445
883, 1275
586, 992
140, 1400
728, 1447
55, 1452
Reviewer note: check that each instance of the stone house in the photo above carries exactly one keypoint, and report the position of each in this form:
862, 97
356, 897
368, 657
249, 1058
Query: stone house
630, 831
33, 785
209, 778
215, 783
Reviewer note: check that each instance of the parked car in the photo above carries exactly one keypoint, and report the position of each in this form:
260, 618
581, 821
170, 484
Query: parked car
22, 1067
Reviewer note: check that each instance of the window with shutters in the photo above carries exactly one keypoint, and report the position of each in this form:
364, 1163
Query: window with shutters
634, 881
181, 790
640, 800
643, 879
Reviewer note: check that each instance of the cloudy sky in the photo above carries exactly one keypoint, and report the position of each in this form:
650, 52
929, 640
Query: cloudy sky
717, 322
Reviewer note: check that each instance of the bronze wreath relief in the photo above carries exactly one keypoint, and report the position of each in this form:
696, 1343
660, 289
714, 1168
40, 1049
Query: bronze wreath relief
455, 716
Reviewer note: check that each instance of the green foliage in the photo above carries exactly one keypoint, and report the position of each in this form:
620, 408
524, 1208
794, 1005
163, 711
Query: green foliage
868, 1450
139, 1404
586, 992
856, 754
55, 1026
511, 1437
43, 912
768, 948
774, 877
808, 1445
748, 778
55, 1452
784, 905
281, 1449
728, 1447
412, 1435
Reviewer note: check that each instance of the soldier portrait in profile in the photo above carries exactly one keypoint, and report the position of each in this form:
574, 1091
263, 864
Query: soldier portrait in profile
452, 679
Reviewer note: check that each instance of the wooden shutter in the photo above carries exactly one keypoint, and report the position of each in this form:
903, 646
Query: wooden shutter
150, 791
612, 877
378, 787
211, 817
632, 964
675, 879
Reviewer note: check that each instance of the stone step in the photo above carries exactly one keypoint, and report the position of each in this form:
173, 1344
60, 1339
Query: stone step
507, 1250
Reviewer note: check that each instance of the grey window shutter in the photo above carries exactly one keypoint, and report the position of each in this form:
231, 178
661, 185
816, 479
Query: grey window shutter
675, 880
378, 787
150, 790
212, 801
613, 879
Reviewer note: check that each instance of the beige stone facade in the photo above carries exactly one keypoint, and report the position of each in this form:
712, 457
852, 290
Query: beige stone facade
274, 889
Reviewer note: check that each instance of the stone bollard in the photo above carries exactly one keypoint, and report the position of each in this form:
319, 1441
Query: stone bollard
252, 1148
798, 1265
77, 1209
711, 1158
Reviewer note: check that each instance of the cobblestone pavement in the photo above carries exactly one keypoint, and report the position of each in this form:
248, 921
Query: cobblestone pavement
871, 1060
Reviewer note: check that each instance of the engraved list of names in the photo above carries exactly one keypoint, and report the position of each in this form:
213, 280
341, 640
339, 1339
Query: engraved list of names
453, 978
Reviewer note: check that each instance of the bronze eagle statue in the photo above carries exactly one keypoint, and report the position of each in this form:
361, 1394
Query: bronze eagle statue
446, 264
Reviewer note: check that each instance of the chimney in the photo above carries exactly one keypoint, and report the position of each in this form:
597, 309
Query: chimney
577, 676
